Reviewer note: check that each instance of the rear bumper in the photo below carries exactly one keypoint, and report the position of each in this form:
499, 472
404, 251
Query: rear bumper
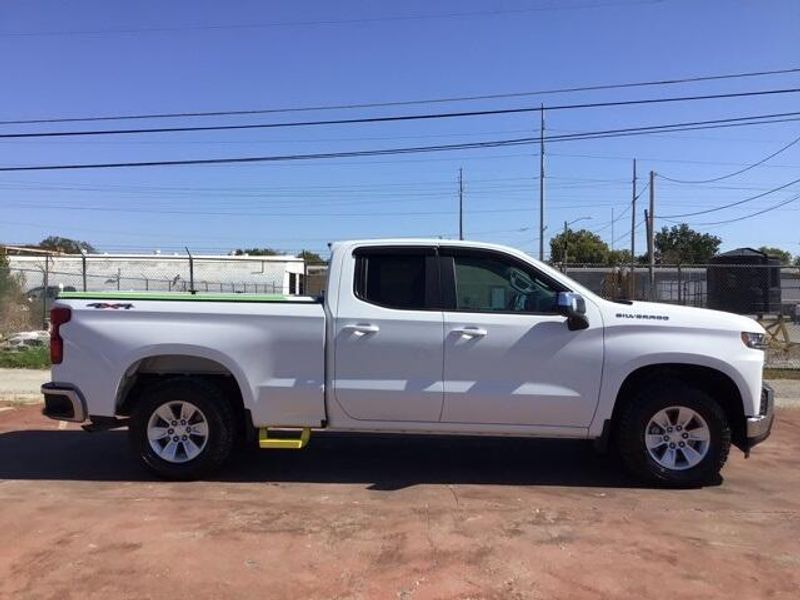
759, 427
63, 402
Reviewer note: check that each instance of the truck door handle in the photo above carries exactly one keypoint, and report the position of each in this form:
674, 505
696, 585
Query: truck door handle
362, 328
473, 332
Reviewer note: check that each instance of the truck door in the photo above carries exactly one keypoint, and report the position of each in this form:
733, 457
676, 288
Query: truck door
388, 336
508, 356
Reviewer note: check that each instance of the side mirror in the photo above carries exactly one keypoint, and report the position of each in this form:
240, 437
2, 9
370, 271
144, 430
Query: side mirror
573, 306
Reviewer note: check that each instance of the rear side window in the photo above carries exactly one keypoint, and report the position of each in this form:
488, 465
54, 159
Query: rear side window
395, 280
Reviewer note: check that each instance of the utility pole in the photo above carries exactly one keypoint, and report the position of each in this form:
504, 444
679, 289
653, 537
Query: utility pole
461, 204
541, 184
633, 235
651, 233
564, 257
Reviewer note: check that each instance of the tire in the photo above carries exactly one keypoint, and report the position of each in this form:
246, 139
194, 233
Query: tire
660, 444
195, 441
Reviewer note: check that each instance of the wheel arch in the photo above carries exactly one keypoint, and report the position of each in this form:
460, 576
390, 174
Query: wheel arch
155, 367
717, 384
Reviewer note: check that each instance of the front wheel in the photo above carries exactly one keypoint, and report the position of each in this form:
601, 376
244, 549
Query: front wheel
674, 434
182, 428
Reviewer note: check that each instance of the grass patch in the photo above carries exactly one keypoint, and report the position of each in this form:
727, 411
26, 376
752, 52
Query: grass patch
781, 373
31, 358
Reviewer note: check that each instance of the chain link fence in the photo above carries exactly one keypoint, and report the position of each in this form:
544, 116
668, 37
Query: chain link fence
39, 277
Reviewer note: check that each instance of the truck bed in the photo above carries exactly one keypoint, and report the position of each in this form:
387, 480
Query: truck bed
273, 346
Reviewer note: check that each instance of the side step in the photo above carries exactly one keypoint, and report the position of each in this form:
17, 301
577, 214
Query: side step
264, 441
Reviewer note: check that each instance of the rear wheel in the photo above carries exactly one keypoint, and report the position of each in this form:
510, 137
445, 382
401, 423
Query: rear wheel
674, 434
182, 428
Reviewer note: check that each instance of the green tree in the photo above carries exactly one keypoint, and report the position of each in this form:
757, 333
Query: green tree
683, 245
55, 243
619, 257
582, 246
312, 258
256, 252
785, 256
8, 283
15, 315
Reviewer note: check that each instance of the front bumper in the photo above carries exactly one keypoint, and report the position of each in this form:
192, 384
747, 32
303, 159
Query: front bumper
63, 402
759, 427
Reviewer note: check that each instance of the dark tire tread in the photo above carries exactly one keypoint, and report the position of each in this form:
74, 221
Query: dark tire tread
221, 422
643, 405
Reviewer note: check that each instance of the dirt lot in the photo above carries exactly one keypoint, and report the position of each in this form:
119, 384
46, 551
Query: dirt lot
389, 518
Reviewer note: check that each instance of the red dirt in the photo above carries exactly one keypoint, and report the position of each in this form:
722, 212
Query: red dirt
378, 517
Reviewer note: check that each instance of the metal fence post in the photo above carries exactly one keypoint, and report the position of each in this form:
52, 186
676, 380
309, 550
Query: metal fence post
191, 271
304, 288
680, 286
83, 267
46, 290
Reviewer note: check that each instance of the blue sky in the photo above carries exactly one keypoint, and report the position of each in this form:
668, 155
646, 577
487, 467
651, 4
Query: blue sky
88, 58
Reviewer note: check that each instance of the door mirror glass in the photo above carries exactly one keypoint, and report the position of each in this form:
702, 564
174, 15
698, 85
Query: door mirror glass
573, 306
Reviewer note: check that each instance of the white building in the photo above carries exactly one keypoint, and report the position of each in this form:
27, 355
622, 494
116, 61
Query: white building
141, 272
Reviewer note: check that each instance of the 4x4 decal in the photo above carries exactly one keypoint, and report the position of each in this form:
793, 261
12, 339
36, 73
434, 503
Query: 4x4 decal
115, 306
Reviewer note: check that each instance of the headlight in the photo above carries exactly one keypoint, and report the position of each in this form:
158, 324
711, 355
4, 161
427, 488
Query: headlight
759, 341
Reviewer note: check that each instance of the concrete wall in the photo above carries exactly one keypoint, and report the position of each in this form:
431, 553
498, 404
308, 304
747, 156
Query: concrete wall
262, 274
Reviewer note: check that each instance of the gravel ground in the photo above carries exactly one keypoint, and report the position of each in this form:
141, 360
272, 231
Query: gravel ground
787, 392
22, 385
380, 517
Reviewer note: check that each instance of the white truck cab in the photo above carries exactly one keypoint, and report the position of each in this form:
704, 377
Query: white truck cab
413, 336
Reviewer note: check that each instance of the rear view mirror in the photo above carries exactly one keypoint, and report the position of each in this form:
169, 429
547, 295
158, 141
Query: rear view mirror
573, 306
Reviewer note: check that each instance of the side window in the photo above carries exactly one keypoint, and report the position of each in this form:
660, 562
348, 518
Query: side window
492, 284
392, 280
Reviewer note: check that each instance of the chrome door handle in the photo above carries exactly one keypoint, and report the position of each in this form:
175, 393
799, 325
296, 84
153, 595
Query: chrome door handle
473, 332
362, 328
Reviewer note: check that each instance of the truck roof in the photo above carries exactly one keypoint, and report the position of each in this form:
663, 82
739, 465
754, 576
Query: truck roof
421, 242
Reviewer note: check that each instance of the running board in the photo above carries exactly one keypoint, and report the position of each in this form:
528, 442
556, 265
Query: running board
264, 441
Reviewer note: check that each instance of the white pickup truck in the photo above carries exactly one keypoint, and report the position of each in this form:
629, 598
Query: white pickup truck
413, 337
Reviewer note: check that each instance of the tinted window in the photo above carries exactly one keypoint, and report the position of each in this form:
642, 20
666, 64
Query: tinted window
392, 280
491, 284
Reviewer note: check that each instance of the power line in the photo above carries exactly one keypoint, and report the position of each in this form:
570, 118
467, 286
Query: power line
194, 212
591, 135
352, 21
751, 215
737, 203
685, 126
664, 160
627, 233
394, 118
614, 220
628, 206
565, 90
739, 172
644, 189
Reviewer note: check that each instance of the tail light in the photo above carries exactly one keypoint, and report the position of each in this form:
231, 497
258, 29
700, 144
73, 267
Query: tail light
58, 316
